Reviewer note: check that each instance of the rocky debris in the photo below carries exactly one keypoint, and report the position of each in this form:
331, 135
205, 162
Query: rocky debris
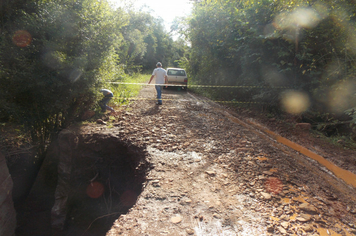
282, 230
303, 126
176, 219
101, 122
87, 115
303, 218
213, 173
266, 196
308, 228
307, 208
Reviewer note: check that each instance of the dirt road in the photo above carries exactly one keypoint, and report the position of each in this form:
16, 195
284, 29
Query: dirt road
210, 175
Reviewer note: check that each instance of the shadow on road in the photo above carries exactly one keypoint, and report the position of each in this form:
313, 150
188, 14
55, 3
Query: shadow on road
152, 110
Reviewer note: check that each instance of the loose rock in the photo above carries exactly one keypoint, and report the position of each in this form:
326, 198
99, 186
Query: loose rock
176, 219
266, 196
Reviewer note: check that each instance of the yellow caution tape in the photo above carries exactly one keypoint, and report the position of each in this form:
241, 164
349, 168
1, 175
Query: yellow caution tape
204, 86
182, 100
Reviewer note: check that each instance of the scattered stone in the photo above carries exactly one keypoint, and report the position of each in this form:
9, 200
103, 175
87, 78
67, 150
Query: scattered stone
303, 126
308, 208
281, 230
210, 173
267, 172
285, 225
190, 231
284, 217
155, 183
215, 215
353, 211
266, 196
308, 228
270, 228
303, 218
100, 121
176, 219
341, 141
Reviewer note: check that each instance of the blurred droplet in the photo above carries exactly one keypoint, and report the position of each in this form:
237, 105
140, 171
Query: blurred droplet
51, 60
273, 185
301, 17
268, 30
342, 96
273, 77
128, 198
75, 75
22, 38
295, 102
322, 10
306, 17
95, 189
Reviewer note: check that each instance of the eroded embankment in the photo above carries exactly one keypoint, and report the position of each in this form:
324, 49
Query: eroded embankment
85, 183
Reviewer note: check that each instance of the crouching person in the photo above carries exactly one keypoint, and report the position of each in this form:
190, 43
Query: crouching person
108, 95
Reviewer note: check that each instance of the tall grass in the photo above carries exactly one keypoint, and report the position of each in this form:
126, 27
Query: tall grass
123, 92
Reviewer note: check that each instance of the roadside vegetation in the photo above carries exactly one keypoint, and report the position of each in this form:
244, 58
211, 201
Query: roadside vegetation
279, 57
126, 89
57, 55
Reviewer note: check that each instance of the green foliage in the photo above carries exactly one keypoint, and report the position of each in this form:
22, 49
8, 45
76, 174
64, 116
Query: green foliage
53, 79
126, 89
146, 42
57, 55
274, 44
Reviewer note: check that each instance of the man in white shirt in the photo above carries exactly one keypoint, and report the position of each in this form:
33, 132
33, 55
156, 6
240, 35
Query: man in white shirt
161, 78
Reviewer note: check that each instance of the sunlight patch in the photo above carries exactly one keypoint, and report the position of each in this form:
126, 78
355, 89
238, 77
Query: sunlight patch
295, 102
342, 97
302, 17
214, 228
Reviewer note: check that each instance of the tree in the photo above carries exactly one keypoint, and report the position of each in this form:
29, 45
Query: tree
305, 46
52, 62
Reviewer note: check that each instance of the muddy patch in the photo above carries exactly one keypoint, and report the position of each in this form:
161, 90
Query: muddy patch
86, 182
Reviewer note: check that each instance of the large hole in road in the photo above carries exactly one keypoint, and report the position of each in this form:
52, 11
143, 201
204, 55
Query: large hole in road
99, 178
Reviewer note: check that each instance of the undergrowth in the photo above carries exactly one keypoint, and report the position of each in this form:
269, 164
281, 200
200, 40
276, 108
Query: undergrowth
125, 90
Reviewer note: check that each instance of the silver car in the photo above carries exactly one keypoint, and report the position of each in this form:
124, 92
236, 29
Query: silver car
177, 77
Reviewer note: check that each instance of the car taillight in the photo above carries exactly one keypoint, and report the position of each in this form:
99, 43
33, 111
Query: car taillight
186, 80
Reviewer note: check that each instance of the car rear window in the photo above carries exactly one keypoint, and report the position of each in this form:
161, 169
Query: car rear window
176, 72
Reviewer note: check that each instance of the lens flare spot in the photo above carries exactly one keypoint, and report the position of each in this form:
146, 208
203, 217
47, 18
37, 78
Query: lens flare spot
128, 198
75, 75
269, 30
302, 17
95, 189
307, 17
273, 77
22, 38
295, 102
342, 97
273, 185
